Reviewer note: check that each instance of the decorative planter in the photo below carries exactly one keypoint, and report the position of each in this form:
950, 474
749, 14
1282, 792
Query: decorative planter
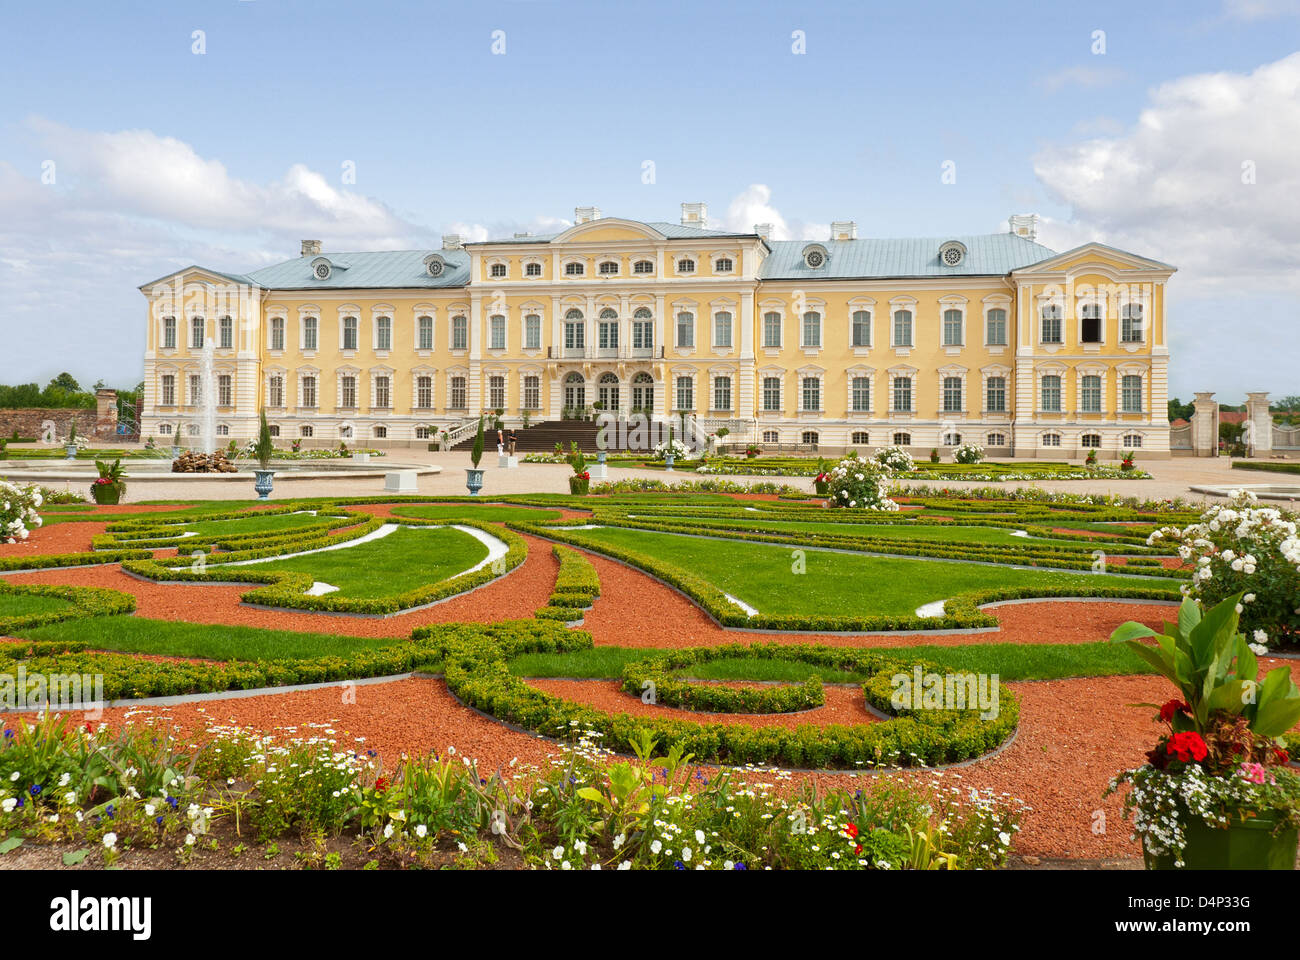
70, 451
668, 461
822, 487
473, 481
107, 492
600, 456
1244, 845
579, 486
262, 483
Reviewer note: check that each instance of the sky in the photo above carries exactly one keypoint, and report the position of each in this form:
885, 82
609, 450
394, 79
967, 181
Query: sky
140, 137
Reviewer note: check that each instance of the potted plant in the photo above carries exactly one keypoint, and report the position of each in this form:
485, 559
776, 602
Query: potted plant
751, 451
263, 450
1127, 463
70, 445
473, 475
821, 482
1091, 460
580, 482
111, 483
934, 454
1215, 793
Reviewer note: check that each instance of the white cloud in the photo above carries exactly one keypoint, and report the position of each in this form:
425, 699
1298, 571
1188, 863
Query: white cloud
754, 205
1251, 10
1089, 78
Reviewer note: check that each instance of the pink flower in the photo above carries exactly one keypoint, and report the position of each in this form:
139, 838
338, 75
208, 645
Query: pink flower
1254, 772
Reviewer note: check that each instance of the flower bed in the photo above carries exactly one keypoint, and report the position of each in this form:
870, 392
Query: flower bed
18, 506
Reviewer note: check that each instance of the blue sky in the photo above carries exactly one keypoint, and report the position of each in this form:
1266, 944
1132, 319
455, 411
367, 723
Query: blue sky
164, 157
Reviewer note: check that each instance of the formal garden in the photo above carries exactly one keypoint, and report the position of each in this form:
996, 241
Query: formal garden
854, 669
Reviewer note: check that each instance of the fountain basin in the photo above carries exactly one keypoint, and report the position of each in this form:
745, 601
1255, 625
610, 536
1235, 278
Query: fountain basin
160, 471
1265, 491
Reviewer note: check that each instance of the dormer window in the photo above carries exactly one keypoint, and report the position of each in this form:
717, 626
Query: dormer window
435, 265
814, 256
608, 268
686, 266
574, 269
723, 265
952, 253
498, 270
321, 268
643, 266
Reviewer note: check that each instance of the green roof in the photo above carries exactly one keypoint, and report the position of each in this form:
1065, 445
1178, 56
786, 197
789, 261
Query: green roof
373, 269
990, 254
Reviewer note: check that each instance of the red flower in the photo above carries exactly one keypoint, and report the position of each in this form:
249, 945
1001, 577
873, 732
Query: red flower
858, 848
381, 785
1281, 755
585, 475
1187, 746
1172, 707
851, 829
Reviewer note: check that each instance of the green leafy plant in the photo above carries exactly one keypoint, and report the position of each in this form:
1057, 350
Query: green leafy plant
265, 447
476, 453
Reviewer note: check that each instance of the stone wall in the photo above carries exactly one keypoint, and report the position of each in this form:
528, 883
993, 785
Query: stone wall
100, 423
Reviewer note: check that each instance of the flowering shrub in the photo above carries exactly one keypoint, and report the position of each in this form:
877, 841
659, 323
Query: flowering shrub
678, 449
968, 453
18, 514
1254, 551
860, 484
896, 459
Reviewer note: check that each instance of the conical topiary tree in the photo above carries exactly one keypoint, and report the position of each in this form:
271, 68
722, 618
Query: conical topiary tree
476, 454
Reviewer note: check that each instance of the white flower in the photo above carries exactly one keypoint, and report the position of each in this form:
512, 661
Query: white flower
421, 831
699, 836
656, 846
557, 853
110, 840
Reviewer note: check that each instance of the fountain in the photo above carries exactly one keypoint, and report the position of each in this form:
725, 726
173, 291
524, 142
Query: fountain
208, 394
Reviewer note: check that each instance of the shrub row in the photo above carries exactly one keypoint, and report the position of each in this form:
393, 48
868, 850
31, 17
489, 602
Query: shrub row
1266, 465
82, 602
655, 676
51, 560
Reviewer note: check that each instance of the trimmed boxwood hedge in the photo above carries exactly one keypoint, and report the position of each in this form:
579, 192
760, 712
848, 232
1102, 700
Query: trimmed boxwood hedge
82, 602
1266, 466
577, 586
51, 561
657, 674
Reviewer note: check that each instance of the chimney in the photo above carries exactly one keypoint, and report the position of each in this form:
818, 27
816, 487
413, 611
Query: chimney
764, 230
1024, 225
695, 214
523, 236
844, 230
311, 248
451, 241
585, 214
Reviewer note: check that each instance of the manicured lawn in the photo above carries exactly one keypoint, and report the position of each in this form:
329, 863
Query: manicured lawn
901, 531
832, 583
1009, 661
26, 604
407, 558
487, 513
206, 641
275, 523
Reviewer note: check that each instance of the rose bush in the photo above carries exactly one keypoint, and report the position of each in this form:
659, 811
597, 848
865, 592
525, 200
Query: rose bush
859, 484
896, 459
968, 453
1239, 547
18, 514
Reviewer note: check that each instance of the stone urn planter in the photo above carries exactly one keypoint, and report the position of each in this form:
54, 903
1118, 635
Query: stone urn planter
668, 461
262, 483
1244, 845
107, 492
473, 481
70, 451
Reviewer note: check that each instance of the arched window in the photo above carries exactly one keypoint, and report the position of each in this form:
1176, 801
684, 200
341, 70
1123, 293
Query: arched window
643, 393
575, 331
532, 332
169, 333
902, 328
574, 268
1132, 440
349, 333
951, 439
996, 440
643, 329
860, 436
498, 270
226, 336
608, 268
533, 270
952, 333
1051, 323
902, 439
459, 333
811, 437
310, 326
722, 329
277, 333
1051, 439
686, 265
723, 265
643, 266
812, 329
1131, 323
607, 329
996, 328
575, 391
1090, 440
772, 329
685, 330
425, 328
496, 332
384, 333
771, 436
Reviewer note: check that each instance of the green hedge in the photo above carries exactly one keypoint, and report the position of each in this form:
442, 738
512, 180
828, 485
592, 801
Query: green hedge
1266, 466
657, 674
53, 560
82, 602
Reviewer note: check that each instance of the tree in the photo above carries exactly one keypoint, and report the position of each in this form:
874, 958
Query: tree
1180, 411
476, 454
1289, 404
65, 382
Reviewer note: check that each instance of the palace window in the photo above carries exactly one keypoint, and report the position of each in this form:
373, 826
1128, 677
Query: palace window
812, 329
168, 390
643, 330
685, 330
196, 389
496, 332
310, 328
306, 431
685, 393
721, 393
273, 429
1131, 323
169, 333
348, 392
903, 394
226, 333
1131, 393
722, 329
902, 328
1090, 394
1051, 324
277, 333
1132, 441
383, 393
575, 331
458, 395
772, 329
349, 333
997, 328
532, 332
1051, 439
498, 270
996, 440
771, 436
723, 265
421, 433
860, 436
384, 333
1090, 323
532, 392
1051, 402
345, 432
952, 395
459, 333
533, 270
425, 327
811, 393
497, 392
223, 429
196, 333
607, 330
861, 394
952, 321
275, 391
643, 266
380, 432
308, 391
574, 268
861, 328
995, 395
424, 392
902, 439
608, 268
771, 394
686, 266
951, 440
811, 438
1091, 440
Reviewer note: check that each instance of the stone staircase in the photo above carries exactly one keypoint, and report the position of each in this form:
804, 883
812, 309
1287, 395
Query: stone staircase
542, 437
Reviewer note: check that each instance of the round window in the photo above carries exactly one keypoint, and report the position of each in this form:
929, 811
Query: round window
815, 258
435, 268
952, 256
322, 271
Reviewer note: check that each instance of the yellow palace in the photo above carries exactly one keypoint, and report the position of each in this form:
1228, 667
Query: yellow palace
843, 342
